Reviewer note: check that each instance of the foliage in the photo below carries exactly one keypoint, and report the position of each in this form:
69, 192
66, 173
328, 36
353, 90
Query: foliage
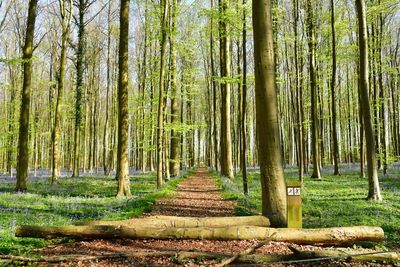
334, 201
71, 201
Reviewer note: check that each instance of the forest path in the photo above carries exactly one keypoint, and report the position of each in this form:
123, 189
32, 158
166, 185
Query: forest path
198, 195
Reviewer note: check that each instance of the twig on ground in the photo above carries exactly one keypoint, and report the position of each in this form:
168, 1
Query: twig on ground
246, 252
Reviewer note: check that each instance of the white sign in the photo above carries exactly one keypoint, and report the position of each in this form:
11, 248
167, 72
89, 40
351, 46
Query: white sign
293, 191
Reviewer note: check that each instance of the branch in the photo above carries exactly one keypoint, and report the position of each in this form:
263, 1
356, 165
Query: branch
246, 252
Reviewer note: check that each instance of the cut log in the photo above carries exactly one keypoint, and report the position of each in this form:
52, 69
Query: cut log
180, 255
186, 222
347, 254
334, 236
326, 254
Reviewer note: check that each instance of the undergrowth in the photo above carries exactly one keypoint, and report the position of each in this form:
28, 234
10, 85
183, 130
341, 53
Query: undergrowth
332, 202
72, 200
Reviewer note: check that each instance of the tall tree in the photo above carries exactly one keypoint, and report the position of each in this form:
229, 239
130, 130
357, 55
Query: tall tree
333, 95
106, 151
66, 14
373, 182
243, 135
23, 139
161, 95
214, 89
80, 21
314, 97
175, 138
271, 170
225, 65
122, 175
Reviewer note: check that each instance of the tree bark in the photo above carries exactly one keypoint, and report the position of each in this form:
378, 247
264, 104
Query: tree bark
23, 139
175, 135
106, 149
161, 95
271, 170
314, 97
122, 175
66, 15
225, 65
333, 95
373, 182
79, 84
214, 88
331, 236
243, 135
175, 221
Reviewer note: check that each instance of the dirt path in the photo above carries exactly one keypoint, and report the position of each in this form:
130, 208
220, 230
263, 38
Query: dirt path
196, 196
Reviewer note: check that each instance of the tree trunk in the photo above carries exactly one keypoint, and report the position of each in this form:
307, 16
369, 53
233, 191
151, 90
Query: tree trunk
331, 236
300, 143
314, 97
122, 175
333, 95
373, 182
23, 139
79, 85
243, 135
161, 107
214, 86
175, 136
271, 170
106, 148
225, 65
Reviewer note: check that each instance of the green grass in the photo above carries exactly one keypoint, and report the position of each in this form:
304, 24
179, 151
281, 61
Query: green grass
72, 200
334, 201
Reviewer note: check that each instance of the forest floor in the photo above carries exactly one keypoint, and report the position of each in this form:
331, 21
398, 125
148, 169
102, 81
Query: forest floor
198, 195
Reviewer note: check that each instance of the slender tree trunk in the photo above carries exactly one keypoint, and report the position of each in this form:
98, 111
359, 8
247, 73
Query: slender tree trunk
79, 85
300, 143
314, 97
175, 138
66, 22
122, 175
161, 107
225, 64
106, 148
23, 139
374, 189
333, 95
243, 135
271, 170
214, 88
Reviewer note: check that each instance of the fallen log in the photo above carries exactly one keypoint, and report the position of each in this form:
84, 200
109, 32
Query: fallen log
296, 257
186, 222
180, 255
346, 254
334, 236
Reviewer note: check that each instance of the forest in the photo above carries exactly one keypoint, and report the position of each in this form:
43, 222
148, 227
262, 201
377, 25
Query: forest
121, 103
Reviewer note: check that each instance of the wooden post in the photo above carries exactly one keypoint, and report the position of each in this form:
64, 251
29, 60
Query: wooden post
294, 212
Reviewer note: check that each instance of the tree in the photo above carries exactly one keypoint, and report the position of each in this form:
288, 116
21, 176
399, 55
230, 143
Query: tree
175, 136
243, 135
66, 14
161, 95
122, 175
271, 170
23, 139
225, 66
333, 95
313, 86
373, 182
82, 6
